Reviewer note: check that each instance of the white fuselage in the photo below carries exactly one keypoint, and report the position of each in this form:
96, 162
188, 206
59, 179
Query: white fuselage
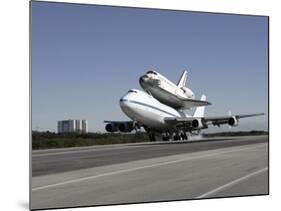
146, 110
164, 90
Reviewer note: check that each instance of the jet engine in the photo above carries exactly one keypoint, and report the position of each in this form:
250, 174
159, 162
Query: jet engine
126, 127
197, 123
233, 121
111, 127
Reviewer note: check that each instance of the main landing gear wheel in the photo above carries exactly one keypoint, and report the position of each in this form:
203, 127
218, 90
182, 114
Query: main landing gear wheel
184, 136
177, 137
165, 138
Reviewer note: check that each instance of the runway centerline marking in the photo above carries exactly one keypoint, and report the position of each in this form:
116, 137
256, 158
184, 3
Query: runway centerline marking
141, 167
234, 182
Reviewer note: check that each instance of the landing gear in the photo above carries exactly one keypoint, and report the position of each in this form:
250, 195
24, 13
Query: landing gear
150, 133
166, 136
180, 136
151, 137
177, 137
183, 136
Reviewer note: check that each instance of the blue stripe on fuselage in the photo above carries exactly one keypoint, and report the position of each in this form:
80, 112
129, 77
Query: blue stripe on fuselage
150, 106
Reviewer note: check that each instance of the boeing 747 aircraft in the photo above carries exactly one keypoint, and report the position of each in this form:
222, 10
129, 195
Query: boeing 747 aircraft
177, 96
157, 118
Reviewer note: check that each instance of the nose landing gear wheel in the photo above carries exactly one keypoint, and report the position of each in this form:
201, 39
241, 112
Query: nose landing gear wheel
152, 137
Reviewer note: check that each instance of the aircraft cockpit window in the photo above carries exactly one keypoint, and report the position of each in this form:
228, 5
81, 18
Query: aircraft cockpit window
151, 72
132, 91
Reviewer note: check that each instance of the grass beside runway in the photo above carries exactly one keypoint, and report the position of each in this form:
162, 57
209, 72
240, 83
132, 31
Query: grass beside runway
50, 140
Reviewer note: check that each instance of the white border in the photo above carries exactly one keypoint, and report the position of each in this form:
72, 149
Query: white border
14, 82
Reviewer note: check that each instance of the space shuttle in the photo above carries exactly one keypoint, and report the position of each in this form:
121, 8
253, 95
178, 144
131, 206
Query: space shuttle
178, 96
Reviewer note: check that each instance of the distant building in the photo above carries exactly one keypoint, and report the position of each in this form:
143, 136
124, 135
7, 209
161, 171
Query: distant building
70, 126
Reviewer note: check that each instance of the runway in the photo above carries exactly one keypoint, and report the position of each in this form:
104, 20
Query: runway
132, 173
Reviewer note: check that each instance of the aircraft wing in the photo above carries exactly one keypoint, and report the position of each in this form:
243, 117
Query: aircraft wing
219, 119
195, 122
190, 103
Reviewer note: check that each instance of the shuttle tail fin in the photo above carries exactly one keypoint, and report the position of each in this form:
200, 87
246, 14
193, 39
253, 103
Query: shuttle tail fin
199, 112
183, 79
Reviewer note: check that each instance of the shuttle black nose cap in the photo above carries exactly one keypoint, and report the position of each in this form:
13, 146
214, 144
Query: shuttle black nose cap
143, 79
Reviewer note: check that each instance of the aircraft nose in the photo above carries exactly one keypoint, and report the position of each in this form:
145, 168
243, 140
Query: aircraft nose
124, 101
126, 106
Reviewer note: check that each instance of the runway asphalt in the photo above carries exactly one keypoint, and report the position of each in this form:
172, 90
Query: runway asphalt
134, 173
56, 161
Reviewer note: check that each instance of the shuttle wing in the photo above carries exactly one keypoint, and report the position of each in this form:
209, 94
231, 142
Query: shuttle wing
190, 103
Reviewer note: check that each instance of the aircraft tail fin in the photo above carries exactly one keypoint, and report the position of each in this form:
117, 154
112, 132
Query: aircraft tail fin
199, 112
183, 79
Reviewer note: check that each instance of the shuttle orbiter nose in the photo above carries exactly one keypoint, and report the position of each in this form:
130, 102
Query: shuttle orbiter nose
143, 81
146, 81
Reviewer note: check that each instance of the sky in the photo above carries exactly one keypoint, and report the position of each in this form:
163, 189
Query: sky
85, 57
